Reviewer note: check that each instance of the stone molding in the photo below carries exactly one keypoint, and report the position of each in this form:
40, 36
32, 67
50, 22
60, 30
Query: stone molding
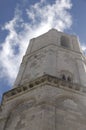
43, 80
56, 47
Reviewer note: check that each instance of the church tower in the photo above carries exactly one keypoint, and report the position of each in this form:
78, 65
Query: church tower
50, 89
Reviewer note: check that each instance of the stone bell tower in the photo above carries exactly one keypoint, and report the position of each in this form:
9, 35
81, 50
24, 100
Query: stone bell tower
50, 90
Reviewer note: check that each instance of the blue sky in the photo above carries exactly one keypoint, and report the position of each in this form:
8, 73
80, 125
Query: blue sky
21, 20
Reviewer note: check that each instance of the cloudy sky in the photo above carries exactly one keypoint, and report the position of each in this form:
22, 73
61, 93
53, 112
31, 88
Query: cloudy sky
21, 20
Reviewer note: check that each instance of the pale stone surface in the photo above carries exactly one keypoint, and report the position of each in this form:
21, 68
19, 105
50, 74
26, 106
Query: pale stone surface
42, 98
46, 108
46, 54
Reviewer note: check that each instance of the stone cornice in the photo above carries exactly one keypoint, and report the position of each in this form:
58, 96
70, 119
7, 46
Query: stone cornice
43, 80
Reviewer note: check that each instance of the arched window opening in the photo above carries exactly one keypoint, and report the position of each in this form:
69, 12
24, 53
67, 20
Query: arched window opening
65, 42
69, 79
63, 77
66, 76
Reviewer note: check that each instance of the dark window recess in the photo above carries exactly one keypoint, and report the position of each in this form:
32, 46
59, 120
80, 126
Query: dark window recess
69, 79
65, 42
63, 77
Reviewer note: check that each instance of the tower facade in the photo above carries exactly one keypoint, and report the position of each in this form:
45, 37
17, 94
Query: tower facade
50, 89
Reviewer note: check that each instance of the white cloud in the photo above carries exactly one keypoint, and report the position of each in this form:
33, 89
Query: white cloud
84, 49
41, 17
55, 15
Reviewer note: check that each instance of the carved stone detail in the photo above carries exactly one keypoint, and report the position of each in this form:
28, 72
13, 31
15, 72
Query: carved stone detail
46, 79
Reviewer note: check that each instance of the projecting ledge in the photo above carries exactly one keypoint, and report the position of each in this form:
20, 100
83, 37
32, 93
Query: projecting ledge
46, 79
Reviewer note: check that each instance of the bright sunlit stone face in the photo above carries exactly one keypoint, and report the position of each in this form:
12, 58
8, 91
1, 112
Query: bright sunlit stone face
23, 20
33, 20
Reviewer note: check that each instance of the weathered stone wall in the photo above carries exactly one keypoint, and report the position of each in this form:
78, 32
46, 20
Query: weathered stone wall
47, 105
46, 54
50, 90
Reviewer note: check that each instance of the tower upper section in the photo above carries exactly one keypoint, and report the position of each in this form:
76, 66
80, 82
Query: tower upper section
54, 53
54, 37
